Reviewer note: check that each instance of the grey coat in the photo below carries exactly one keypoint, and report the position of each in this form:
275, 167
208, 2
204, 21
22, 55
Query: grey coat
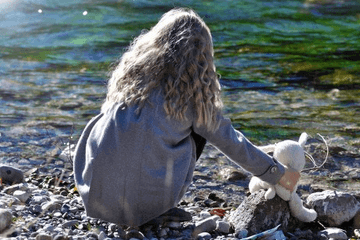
130, 168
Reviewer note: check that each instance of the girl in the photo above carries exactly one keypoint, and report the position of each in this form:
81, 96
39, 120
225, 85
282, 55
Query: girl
135, 160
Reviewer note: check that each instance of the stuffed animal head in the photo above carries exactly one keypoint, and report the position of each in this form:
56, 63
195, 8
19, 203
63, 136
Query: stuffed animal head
290, 153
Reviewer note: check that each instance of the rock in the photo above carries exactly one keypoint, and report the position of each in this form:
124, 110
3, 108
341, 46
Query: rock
204, 236
333, 207
43, 236
23, 196
5, 219
173, 225
333, 233
70, 223
303, 234
257, 214
204, 214
11, 175
133, 234
102, 235
232, 174
60, 236
163, 233
51, 206
223, 227
356, 224
206, 225
357, 233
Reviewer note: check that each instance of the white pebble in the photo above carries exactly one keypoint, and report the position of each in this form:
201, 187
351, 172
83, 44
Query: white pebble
23, 196
204, 236
204, 214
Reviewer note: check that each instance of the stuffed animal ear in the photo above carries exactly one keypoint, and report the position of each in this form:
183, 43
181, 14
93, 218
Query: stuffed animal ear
268, 148
303, 138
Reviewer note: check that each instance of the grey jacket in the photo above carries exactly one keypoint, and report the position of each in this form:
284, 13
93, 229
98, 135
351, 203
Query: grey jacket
130, 168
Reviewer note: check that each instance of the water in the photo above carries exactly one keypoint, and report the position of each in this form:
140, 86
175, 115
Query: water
286, 66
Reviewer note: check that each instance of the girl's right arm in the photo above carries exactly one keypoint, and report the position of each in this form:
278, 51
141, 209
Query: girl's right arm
240, 150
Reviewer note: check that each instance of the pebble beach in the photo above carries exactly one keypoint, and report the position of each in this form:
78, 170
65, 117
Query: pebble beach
47, 206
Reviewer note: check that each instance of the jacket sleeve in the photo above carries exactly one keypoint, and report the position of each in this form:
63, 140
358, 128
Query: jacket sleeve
241, 151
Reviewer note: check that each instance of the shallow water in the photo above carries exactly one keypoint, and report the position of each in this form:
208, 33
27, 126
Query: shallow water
286, 66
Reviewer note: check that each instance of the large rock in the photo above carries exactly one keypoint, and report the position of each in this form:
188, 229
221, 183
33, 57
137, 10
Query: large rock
333, 207
257, 214
11, 175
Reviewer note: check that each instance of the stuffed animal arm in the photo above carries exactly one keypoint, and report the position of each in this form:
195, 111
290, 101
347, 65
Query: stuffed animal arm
290, 154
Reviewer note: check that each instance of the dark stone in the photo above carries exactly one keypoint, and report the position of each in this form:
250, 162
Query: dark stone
11, 175
236, 175
257, 214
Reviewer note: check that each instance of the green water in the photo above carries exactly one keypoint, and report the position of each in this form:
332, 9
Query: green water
286, 66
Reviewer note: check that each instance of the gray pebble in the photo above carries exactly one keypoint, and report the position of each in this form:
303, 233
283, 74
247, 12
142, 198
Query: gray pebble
61, 237
102, 236
70, 223
35, 209
44, 236
206, 225
5, 219
48, 228
223, 227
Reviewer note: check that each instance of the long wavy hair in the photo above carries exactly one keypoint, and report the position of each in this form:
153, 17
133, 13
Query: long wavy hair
177, 55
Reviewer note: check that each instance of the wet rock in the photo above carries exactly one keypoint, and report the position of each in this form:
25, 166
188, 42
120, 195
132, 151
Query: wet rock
11, 175
257, 214
5, 219
333, 233
333, 207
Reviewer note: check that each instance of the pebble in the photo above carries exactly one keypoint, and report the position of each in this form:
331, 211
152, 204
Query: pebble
223, 227
23, 196
204, 236
206, 225
43, 236
5, 219
204, 214
334, 233
173, 225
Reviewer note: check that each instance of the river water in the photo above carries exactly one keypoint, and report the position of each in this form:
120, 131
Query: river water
286, 66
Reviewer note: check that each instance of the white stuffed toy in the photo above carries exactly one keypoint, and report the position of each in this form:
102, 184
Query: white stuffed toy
291, 154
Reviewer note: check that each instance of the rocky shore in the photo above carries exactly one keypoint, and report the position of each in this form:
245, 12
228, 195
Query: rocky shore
45, 204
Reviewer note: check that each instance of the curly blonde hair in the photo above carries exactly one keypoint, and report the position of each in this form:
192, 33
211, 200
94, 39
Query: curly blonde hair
177, 55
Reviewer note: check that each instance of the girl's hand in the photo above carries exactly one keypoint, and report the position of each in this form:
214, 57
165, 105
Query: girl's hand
290, 179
